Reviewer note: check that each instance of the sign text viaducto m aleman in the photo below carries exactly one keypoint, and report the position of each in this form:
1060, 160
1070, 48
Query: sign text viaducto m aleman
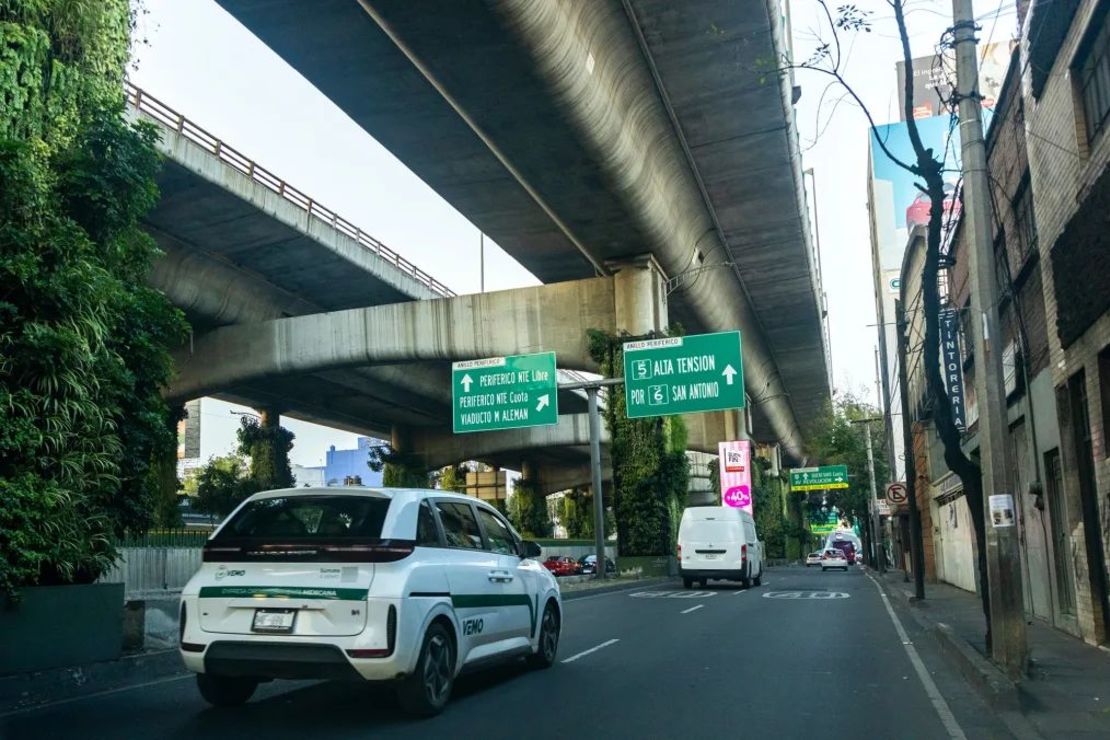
683, 375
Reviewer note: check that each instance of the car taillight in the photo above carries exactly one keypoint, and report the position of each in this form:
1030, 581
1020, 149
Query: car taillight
743, 552
680, 552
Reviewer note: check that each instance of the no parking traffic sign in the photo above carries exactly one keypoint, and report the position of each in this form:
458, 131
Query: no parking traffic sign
896, 494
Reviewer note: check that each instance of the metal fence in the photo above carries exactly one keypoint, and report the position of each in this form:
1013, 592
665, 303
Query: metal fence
156, 563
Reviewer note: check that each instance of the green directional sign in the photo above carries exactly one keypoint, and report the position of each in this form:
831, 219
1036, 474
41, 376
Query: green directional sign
504, 393
818, 479
683, 375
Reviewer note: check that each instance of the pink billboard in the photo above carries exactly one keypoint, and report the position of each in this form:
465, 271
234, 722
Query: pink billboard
736, 474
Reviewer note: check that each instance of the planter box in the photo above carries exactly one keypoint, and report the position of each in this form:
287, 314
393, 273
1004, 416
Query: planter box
58, 626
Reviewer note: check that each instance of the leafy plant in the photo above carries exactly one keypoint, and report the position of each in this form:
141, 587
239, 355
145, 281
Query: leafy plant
223, 484
650, 471
83, 341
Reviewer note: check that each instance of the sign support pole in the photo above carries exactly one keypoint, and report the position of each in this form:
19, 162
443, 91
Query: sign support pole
592, 388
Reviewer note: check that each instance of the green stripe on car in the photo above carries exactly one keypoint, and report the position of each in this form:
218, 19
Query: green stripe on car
477, 601
282, 592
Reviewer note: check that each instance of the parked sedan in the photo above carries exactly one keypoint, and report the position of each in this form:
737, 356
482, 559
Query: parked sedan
589, 564
814, 558
562, 565
833, 558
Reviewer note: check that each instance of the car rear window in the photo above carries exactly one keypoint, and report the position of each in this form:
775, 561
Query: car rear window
289, 518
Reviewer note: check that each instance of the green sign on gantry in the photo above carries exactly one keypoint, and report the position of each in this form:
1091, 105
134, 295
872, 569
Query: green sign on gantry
683, 375
504, 393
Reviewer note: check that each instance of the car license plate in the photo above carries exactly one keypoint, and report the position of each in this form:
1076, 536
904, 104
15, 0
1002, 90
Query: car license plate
274, 620
713, 556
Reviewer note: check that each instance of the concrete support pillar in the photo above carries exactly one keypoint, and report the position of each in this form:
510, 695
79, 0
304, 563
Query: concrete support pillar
268, 417
400, 439
528, 470
639, 295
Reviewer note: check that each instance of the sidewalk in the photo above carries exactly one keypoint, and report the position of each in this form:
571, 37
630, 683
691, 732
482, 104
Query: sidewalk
1067, 692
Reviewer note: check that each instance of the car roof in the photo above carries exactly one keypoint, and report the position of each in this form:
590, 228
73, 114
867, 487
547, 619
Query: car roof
396, 494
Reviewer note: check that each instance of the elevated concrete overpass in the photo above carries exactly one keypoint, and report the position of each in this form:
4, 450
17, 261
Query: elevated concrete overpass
243, 247
578, 134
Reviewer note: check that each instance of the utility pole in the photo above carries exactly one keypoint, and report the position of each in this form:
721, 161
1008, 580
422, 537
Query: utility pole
1008, 643
917, 545
876, 519
481, 262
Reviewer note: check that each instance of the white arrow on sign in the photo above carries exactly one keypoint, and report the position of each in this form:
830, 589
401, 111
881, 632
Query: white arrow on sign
466, 381
545, 399
729, 372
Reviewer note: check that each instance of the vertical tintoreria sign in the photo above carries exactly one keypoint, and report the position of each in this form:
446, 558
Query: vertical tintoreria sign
952, 364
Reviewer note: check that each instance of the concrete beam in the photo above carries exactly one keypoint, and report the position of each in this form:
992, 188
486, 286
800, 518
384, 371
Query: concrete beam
544, 318
440, 447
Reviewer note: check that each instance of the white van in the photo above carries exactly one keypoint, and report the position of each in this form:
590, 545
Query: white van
719, 542
407, 587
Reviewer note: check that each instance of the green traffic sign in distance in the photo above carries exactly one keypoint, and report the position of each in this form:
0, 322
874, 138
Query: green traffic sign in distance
683, 375
816, 479
504, 393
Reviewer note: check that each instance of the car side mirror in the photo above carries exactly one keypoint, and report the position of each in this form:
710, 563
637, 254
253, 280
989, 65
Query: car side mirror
530, 549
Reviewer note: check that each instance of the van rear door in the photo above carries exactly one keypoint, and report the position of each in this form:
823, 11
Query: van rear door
296, 564
711, 544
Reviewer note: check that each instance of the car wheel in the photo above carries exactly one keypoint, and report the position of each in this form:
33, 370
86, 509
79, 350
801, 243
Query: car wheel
225, 691
426, 691
687, 582
544, 656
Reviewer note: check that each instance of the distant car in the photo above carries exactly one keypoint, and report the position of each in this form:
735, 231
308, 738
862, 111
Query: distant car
833, 558
561, 565
588, 564
814, 558
917, 214
846, 547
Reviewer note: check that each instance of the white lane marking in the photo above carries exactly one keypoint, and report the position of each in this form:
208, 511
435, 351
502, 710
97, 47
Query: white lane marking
939, 704
594, 649
796, 595
742, 591
673, 594
691, 609
94, 695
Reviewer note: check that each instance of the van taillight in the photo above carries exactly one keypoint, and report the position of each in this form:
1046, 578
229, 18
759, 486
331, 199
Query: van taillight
680, 552
743, 552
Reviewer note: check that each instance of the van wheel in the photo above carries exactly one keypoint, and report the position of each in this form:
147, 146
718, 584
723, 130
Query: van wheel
426, 691
758, 579
544, 656
225, 691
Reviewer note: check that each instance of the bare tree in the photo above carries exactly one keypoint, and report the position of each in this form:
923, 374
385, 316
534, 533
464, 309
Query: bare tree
928, 166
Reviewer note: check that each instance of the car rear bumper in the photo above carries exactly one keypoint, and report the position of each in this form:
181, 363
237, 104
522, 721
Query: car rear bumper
278, 660
723, 574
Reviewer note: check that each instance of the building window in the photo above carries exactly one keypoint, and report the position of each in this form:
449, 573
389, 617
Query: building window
1093, 75
1025, 221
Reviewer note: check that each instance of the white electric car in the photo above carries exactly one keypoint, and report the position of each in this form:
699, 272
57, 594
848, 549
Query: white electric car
403, 586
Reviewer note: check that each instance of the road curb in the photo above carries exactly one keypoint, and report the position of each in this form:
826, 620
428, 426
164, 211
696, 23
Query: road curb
992, 685
642, 583
29, 690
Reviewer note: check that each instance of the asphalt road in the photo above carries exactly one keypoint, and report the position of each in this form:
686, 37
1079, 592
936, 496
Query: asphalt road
806, 655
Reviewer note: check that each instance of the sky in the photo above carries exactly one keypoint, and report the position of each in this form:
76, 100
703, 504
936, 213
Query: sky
195, 58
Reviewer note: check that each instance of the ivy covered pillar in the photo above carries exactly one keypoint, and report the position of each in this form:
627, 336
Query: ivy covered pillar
650, 471
400, 466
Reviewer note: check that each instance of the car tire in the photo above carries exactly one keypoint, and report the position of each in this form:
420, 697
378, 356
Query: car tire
687, 582
426, 690
758, 579
225, 691
548, 646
